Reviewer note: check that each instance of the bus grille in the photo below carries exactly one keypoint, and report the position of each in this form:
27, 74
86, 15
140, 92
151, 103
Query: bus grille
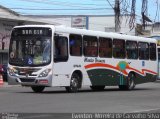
27, 80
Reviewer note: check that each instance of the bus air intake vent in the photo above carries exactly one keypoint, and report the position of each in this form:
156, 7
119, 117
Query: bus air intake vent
27, 80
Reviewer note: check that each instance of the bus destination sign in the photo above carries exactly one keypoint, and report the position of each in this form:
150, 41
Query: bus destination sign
32, 31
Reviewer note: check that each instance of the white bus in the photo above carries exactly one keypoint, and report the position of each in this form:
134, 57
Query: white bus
46, 55
158, 50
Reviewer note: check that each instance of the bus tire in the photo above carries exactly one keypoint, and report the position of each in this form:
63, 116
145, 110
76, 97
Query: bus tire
97, 88
130, 83
38, 89
74, 83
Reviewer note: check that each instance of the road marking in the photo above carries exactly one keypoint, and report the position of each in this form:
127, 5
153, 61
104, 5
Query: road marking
139, 111
6, 85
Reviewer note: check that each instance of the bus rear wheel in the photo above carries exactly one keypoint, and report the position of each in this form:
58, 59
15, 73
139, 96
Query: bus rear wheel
37, 89
130, 83
74, 83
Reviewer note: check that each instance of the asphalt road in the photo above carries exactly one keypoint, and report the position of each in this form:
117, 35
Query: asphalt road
145, 98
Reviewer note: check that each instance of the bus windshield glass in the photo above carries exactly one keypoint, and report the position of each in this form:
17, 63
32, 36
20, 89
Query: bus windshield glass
30, 46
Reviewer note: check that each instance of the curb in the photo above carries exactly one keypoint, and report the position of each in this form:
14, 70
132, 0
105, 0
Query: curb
5, 85
157, 81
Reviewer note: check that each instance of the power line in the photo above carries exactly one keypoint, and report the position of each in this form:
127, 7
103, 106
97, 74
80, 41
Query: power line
67, 12
49, 5
58, 9
110, 4
67, 4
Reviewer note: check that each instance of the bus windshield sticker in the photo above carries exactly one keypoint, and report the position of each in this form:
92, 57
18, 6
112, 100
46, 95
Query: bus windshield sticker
143, 63
30, 60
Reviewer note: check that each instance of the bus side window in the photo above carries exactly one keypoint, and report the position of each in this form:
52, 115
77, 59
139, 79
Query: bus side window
105, 47
75, 42
143, 51
90, 46
60, 48
119, 48
131, 50
153, 51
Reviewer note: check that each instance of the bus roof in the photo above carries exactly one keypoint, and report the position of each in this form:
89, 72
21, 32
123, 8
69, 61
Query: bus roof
102, 34
64, 29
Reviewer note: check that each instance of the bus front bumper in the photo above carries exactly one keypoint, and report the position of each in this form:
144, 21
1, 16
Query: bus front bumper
30, 81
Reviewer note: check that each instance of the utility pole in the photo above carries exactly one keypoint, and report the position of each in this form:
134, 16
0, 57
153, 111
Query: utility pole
117, 15
144, 12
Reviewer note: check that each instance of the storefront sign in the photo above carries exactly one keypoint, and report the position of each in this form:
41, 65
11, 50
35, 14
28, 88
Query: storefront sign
80, 22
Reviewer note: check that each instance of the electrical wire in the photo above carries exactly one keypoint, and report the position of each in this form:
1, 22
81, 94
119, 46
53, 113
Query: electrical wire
110, 4
66, 4
59, 9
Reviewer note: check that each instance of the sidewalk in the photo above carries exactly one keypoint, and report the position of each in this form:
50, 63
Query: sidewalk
158, 81
5, 84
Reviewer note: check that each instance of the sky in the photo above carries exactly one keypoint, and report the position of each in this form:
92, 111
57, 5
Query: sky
74, 7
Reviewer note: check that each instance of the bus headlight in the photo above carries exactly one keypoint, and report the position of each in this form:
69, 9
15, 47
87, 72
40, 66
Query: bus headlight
12, 71
44, 73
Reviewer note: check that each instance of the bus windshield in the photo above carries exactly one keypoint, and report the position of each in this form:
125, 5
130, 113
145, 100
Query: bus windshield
30, 47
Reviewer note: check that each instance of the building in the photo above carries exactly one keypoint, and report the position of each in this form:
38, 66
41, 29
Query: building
92, 22
104, 23
9, 19
151, 29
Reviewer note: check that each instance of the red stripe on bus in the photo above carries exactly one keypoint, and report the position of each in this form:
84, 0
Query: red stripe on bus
117, 68
100, 65
104, 65
143, 71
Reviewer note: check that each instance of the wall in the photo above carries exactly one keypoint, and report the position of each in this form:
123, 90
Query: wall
58, 20
106, 23
5, 33
98, 23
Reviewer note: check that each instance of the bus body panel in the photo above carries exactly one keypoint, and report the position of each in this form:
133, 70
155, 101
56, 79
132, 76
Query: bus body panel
158, 48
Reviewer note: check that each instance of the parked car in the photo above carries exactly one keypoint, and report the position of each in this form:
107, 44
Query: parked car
3, 71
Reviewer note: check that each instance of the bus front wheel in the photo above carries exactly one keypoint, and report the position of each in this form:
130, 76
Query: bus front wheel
37, 89
74, 83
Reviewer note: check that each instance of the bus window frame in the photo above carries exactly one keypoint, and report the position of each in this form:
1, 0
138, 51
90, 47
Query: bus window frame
108, 39
113, 48
84, 47
137, 51
150, 52
145, 51
64, 58
81, 47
